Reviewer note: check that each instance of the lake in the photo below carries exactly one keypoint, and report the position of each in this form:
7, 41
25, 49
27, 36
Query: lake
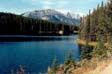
37, 55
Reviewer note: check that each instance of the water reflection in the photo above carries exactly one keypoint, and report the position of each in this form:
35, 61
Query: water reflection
34, 38
37, 55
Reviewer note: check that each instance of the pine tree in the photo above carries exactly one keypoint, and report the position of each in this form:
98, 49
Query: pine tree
69, 63
100, 51
86, 52
102, 23
54, 66
109, 19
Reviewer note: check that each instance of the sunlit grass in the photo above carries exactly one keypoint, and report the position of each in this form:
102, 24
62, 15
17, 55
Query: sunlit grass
83, 42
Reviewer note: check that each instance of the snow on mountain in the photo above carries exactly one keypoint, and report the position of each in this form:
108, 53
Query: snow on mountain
54, 16
74, 16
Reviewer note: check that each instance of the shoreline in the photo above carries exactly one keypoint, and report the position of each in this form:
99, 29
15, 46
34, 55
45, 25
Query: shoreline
94, 44
31, 38
83, 42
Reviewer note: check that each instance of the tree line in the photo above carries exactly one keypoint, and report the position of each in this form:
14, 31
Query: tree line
11, 24
97, 25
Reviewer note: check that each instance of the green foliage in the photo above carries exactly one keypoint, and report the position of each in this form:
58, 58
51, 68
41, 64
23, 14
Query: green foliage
50, 72
17, 24
100, 51
86, 52
69, 63
97, 23
54, 66
69, 59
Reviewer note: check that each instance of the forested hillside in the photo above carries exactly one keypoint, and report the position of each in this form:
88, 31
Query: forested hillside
97, 25
11, 24
95, 38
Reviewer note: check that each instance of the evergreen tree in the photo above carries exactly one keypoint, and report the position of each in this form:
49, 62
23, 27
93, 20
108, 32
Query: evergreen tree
109, 19
100, 51
54, 66
102, 23
11, 24
69, 63
86, 52
98, 24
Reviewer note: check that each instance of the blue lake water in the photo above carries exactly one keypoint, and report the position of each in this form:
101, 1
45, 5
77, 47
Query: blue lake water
36, 56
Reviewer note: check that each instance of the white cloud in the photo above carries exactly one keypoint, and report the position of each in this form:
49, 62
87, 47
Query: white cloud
47, 7
32, 2
81, 14
62, 4
47, 2
65, 11
54, 4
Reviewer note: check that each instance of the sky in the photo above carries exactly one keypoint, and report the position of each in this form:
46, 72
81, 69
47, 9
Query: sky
74, 6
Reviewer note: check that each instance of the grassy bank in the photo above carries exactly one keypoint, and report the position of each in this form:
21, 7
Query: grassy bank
93, 66
94, 44
83, 42
93, 61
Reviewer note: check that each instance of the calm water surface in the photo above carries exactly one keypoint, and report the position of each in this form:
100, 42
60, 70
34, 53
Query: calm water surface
36, 56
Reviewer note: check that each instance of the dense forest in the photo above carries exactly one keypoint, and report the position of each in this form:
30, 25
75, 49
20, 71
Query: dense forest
97, 25
11, 24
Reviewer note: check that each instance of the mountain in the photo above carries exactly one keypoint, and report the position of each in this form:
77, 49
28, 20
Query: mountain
12, 24
54, 16
73, 16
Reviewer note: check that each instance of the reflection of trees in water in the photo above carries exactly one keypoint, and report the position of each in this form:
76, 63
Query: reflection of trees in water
34, 38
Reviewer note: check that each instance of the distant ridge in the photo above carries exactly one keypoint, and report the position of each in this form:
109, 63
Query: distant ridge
54, 16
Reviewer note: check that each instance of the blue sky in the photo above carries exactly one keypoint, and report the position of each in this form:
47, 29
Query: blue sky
74, 6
